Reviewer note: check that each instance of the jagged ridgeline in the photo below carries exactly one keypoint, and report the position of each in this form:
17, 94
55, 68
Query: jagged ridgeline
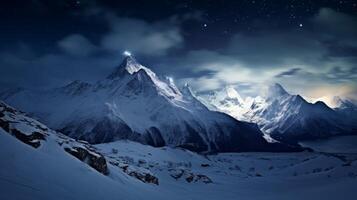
286, 117
134, 103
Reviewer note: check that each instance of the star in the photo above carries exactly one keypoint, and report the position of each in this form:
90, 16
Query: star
204, 25
300, 25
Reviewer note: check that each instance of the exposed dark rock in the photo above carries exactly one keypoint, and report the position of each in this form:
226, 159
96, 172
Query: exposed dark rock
33, 139
142, 176
81, 150
93, 159
189, 176
177, 174
203, 178
145, 177
4, 125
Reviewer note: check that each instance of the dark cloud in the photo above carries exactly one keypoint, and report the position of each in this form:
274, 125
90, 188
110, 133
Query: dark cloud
76, 56
270, 48
342, 74
332, 22
76, 45
141, 37
337, 30
289, 72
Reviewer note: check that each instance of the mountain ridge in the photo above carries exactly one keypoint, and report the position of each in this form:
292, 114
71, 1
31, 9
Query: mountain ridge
137, 105
290, 118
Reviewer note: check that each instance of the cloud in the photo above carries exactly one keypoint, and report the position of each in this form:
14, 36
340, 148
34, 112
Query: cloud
335, 22
141, 37
336, 27
22, 69
321, 56
76, 45
271, 48
289, 72
91, 58
342, 74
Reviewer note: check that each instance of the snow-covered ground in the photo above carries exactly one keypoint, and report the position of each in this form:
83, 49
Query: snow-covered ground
50, 173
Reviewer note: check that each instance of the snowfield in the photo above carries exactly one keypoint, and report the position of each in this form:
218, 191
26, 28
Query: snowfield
50, 173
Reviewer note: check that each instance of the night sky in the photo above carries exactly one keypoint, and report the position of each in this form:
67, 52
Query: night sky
310, 47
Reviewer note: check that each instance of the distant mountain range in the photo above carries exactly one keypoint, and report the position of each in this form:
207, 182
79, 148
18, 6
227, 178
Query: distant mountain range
134, 103
286, 117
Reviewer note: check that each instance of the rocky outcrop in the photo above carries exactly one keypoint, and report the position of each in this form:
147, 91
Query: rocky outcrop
189, 176
32, 132
138, 173
93, 159
32, 139
8, 122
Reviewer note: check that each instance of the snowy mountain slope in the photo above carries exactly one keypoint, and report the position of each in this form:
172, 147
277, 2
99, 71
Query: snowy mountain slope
134, 103
37, 135
347, 108
228, 101
53, 175
48, 171
44, 164
291, 118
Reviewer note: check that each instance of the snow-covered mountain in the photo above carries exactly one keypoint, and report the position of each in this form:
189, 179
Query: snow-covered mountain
134, 103
39, 164
228, 101
344, 104
291, 118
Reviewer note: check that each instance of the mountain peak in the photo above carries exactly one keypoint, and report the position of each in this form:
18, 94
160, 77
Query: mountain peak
232, 92
186, 89
276, 90
128, 65
343, 103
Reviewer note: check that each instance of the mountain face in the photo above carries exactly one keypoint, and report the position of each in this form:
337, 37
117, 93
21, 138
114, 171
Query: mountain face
134, 103
290, 118
343, 104
228, 101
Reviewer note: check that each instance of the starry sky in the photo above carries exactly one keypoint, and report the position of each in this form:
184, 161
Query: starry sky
310, 47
